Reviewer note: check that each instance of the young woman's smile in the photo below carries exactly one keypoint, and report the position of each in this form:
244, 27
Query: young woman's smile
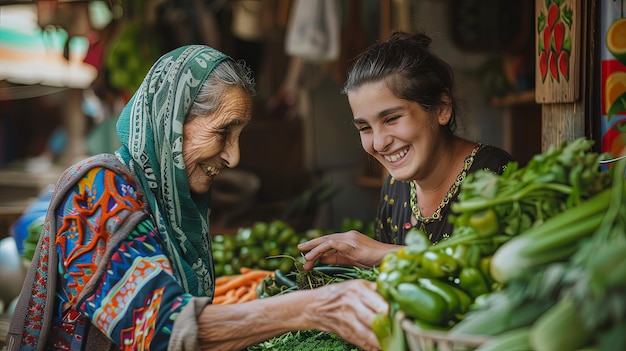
397, 156
399, 133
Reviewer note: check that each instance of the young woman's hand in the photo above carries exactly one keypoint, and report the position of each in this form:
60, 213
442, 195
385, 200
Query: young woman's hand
349, 248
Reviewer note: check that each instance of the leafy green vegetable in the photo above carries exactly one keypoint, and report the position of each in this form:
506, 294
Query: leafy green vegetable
526, 197
553, 196
305, 340
572, 289
552, 181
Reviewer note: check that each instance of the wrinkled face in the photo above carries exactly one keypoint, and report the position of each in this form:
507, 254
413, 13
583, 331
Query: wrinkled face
211, 142
399, 133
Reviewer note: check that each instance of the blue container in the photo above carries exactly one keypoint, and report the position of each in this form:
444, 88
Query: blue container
32, 218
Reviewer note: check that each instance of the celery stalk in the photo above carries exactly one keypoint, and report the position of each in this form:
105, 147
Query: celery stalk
521, 254
594, 205
560, 328
568, 234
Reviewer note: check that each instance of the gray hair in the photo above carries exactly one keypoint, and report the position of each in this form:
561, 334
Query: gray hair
226, 75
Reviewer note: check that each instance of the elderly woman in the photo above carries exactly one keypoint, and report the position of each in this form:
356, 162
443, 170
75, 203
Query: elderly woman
124, 260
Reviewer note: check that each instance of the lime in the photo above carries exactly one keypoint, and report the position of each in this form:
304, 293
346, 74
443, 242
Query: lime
245, 237
218, 256
260, 229
285, 235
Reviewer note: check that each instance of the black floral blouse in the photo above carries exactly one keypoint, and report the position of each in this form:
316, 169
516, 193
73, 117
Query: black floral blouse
393, 218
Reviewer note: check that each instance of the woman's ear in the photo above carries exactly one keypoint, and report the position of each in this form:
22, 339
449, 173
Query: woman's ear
445, 110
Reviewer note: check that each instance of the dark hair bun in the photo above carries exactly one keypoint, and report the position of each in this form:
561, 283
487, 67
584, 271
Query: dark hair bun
420, 39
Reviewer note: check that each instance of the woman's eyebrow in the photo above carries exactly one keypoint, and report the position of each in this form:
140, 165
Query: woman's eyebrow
380, 114
233, 123
390, 110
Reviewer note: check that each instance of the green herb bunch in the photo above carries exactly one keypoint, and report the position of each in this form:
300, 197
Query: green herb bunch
491, 208
305, 340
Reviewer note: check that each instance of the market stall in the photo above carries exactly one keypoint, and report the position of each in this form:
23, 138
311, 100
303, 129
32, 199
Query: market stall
535, 262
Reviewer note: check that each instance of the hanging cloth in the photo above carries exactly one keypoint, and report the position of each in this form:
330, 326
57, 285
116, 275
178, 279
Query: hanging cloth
313, 31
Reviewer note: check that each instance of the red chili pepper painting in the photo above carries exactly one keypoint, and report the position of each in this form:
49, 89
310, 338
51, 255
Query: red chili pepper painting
554, 28
556, 50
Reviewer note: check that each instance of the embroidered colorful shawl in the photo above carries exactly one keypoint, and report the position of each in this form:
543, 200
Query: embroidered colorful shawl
152, 151
150, 129
32, 320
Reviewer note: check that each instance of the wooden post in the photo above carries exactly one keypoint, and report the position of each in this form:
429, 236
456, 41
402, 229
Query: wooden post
75, 124
565, 104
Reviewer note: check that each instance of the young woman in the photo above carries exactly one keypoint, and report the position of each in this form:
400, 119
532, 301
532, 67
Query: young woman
404, 108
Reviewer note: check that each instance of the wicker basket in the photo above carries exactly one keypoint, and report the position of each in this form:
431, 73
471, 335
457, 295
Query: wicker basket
420, 339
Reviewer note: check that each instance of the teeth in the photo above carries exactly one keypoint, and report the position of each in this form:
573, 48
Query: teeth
212, 171
396, 157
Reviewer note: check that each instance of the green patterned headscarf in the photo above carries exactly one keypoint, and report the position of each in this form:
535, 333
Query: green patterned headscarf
151, 131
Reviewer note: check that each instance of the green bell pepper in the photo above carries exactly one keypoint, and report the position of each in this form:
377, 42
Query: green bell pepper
485, 222
382, 327
438, 264
473, 282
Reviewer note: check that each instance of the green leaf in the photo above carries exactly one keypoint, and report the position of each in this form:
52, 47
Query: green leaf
548, 3
621, 127
618, 106
567, 44
567, 16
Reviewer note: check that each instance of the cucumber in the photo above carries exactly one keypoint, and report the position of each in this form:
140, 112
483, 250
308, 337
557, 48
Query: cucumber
283, 280
446, 291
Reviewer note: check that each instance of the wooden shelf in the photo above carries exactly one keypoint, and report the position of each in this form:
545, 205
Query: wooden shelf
512, 99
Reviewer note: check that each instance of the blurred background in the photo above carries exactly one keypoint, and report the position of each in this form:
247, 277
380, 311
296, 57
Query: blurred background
68, 67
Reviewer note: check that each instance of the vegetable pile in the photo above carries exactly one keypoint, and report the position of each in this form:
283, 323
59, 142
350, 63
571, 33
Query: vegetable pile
568, 293
305, 340
251, 246
298, 279
269, 263
239, 288
441, 286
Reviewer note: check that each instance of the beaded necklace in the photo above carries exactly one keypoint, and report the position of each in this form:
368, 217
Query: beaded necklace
449, 195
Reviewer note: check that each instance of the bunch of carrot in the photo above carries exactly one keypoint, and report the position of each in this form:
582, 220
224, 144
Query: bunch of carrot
240, 287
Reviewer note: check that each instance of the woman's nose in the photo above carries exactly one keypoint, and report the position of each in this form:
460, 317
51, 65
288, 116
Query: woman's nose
381, 141
231, 154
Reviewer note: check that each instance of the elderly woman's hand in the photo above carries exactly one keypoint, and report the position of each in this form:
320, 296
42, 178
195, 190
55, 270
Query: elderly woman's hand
349, 248
349, 309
